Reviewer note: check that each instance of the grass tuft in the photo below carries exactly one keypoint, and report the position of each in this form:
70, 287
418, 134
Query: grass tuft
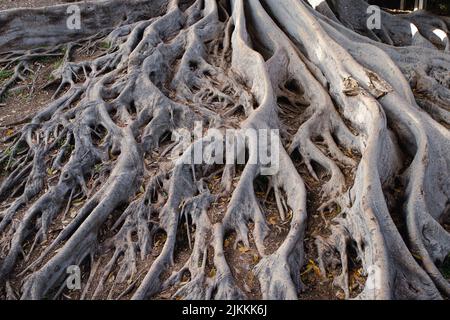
5, 74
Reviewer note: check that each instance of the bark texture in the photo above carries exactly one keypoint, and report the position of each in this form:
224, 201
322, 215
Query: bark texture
88, 181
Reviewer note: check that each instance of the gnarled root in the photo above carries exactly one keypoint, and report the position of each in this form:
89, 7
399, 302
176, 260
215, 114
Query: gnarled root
102, 177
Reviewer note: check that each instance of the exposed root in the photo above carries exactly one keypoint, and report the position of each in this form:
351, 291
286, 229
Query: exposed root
100, 178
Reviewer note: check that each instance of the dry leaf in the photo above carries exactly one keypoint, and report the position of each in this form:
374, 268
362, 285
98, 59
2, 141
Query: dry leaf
77, 203
243, 249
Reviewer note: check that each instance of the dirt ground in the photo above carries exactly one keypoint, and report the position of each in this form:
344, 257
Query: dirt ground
24, 102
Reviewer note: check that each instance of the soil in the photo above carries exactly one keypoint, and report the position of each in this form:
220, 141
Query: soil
30, 95
24, 100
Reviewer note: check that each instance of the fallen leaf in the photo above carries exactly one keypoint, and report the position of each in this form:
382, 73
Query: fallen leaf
273, 220
289, 215
243, 249
77, 203
311, 266
73, 213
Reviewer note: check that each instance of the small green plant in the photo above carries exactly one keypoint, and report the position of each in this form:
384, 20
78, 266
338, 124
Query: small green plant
5, 74
98, 168
20, 92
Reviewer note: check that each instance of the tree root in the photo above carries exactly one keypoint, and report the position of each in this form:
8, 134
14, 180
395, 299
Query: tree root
92, 179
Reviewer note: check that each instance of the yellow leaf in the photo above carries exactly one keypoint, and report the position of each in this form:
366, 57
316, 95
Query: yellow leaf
9, 132
289, 216
212, 273
273, 220
415, 255
243, 249
311, 266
